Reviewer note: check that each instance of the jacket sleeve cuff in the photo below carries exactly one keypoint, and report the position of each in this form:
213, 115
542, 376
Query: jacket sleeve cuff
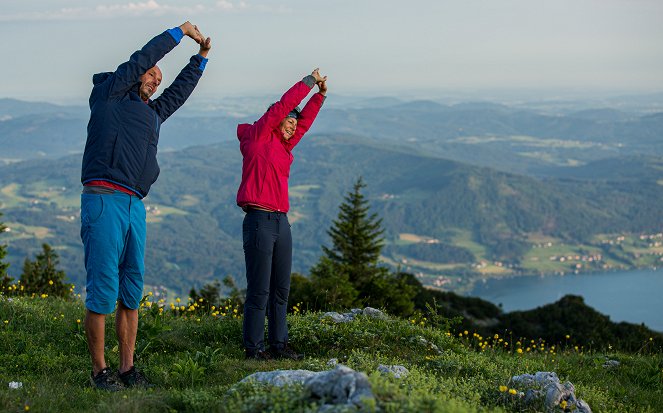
309, 81
177, 34
203, 62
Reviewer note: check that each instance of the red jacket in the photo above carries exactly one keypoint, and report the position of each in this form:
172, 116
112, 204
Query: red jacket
267, 156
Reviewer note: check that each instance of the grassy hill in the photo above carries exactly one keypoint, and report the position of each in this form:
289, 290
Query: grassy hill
447, 221
196, 360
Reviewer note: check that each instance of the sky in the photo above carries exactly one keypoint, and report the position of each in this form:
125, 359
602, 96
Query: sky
51, 48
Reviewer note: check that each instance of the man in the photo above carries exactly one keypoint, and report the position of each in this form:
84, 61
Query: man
119, 166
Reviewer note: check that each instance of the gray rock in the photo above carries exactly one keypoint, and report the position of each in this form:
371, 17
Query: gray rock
540, 379
545, 386
582, 407
395, 370
280, 377
611, 363
332, 362
347, 317
338, 318
374, 313
342, 385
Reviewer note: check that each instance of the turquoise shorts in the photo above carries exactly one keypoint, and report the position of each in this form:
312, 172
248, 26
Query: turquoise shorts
113, 234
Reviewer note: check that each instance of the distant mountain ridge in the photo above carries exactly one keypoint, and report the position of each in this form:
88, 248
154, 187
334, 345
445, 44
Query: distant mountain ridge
511, 139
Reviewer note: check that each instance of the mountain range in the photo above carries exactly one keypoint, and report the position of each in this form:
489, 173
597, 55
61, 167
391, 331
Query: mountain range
447, 220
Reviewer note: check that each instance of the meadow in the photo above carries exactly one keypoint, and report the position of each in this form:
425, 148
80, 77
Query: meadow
194, 357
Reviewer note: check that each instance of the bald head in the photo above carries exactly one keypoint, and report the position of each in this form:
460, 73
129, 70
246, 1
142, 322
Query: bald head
149, 82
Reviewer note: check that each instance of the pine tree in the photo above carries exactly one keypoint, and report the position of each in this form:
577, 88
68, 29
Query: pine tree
42, 276
357, 238
348, 274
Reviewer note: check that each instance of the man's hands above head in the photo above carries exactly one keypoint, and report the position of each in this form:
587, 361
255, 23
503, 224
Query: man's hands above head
321, 81
205, 46
192, 31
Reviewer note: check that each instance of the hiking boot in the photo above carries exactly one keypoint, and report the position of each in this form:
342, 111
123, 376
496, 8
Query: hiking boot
106, 379
286, 352
134, 378
260, 355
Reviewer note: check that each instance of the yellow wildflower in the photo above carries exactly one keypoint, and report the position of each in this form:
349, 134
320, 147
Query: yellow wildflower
503, 389
512, 391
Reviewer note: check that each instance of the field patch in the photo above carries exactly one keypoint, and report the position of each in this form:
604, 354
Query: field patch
19, 231
157, 213
301, 191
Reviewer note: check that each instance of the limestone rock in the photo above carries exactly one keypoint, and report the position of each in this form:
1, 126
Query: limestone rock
545, 387
280, 378
342, 385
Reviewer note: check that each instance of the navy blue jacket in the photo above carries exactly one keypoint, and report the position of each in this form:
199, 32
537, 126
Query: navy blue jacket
123, 131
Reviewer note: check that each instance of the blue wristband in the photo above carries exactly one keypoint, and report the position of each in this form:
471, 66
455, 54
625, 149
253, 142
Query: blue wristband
177, 34
203, 63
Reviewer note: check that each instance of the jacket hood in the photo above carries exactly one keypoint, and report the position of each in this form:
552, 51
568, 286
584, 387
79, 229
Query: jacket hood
99, 78
241, 128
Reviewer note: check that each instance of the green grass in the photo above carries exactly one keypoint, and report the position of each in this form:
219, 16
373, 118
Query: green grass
196, 361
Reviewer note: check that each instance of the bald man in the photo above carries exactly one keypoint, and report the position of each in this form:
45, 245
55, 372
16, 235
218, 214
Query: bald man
119, 167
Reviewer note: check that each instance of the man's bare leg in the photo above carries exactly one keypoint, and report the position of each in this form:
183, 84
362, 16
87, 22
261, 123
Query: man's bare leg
94, 331
126, 327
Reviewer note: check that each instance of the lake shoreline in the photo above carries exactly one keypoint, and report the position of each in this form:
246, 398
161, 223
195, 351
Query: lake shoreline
635, 301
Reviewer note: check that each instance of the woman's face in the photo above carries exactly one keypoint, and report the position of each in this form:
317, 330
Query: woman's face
288, 127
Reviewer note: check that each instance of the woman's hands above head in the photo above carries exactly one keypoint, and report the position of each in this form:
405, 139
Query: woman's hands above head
317, 76
321, 81
322, 87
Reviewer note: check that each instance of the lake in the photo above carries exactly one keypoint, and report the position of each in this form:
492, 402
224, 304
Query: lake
634, 296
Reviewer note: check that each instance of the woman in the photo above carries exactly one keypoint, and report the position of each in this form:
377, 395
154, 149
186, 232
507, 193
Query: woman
263, 194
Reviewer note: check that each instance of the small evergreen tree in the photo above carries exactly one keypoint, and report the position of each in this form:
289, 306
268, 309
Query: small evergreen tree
42, 276
348, 274
356, 239
5, 279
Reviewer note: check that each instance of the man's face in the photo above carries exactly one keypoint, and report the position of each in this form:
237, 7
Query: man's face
288, 127
149, 83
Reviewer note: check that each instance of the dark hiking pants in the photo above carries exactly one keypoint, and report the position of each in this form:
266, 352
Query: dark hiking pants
268, 256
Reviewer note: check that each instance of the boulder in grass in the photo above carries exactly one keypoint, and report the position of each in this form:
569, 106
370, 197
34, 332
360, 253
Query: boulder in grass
374, 313
340, 386
280, 378
544, 387
352, 314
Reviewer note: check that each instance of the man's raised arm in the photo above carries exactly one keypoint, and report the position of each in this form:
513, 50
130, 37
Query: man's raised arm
179, 91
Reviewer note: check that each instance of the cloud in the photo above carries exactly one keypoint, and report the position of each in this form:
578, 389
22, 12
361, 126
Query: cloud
132, 9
